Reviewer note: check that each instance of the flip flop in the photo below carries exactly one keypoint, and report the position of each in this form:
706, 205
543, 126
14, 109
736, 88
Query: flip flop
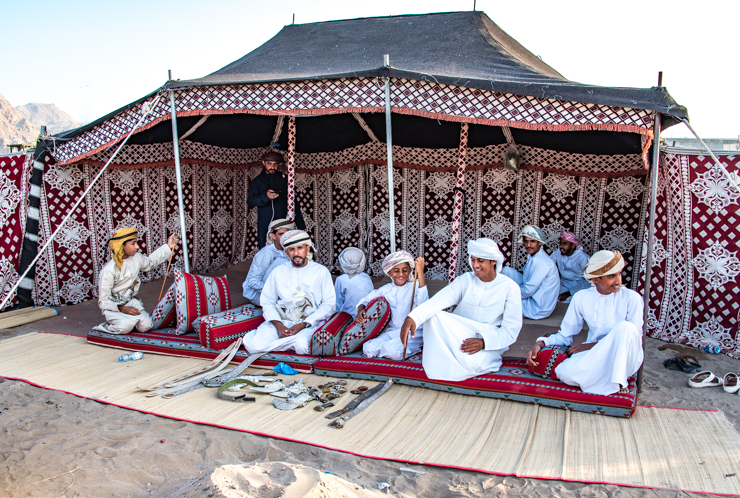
705, 379
691, 363
682, 364
731, 382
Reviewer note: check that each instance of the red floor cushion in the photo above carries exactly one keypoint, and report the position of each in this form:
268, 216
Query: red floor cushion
377, 316
220, 330
325, 339
548, 359
197, 296
164, 314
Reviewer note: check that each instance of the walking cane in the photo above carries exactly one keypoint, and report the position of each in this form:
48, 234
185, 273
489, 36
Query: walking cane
413, 294
168, 272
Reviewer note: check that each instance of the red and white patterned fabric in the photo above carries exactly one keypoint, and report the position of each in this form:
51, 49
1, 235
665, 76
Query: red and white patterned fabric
15, 179
198, 296
325, 339
377, 316
220, 330
457, 212
164, 314
290, 163
695, 283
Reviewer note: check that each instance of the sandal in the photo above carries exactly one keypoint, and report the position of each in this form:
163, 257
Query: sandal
692, 364
731, 382
682, 363
705, 379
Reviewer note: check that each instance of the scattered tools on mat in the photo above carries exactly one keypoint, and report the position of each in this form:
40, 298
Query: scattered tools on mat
224, 393
359, 404
683, 363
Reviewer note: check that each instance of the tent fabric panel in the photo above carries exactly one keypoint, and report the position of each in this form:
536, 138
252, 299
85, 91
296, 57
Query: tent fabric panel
15, 172
695, 288
430, 100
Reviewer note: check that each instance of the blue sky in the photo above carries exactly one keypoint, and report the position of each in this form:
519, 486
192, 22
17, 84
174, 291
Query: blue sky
90, 58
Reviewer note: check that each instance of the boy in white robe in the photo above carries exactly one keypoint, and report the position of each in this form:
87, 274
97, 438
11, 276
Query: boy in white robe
571, 260
397, 266
354, 284
613, 349
540, 281
296, 300
266, 260
119, 282
487, 319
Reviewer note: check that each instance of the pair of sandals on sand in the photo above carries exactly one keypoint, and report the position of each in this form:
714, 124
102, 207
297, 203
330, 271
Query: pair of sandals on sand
730, 383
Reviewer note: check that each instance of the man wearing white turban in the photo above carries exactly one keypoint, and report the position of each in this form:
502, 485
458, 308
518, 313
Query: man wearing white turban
540, 280
266, 260
613, 349
354, 284
487, 319
298, 297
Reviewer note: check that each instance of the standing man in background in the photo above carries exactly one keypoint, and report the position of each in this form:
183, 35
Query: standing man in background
268, 192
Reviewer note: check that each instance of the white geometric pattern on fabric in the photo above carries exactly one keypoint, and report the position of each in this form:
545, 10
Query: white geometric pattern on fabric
711, 333
73, 235
221, 221
624, 189
221, 177
64, 178
439, 231
126, 179
381, 179
382, 224
219, 263
8, 278
75, 289
129, 221
439, 272
497, 227
302, 181
618, 239
440, 183
345, 223
560, 186
186, 171
10, 196
717, 265
345, 179
714, 189
173, 224
499, 179
659, 252
552, 234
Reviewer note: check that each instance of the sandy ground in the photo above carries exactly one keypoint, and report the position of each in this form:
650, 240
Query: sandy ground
56, 444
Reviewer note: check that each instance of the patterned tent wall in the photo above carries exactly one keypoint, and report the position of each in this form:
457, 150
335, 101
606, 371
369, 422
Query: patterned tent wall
15, 173
695, 288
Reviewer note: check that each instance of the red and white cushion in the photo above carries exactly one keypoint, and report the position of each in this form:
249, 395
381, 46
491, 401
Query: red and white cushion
164, 314
219, 330
324, 340
548, 359
197, 296
377, 316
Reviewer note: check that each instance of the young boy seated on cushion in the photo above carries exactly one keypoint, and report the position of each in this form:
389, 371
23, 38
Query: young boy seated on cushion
398, 293
119, 282
355, 283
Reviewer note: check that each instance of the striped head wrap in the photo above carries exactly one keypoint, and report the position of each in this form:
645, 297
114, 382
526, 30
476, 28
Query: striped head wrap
279, 224
297, 237
533, 232
603, 263
352, 260
570, 237
116, 242
395, 259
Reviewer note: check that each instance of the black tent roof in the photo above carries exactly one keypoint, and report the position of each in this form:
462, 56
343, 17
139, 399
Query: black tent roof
464, 49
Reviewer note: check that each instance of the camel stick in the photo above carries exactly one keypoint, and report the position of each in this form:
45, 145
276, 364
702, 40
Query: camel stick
167, 273
413, 294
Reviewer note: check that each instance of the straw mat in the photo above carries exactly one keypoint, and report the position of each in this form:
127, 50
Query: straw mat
23, 316
657, 447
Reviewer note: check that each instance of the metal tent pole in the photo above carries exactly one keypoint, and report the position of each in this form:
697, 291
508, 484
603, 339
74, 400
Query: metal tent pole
651, 236
178, 175
389, 148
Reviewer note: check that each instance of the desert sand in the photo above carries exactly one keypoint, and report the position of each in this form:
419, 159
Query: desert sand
56, 444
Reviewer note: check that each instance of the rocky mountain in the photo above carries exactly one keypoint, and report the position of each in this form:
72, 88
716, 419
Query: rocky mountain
22, 124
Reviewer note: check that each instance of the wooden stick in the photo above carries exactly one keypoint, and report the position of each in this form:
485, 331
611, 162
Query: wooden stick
168, 272
413, 294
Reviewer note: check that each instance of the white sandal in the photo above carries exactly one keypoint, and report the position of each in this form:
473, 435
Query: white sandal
731, 383
705, 379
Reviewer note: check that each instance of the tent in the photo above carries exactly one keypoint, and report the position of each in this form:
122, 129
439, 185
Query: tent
426, 127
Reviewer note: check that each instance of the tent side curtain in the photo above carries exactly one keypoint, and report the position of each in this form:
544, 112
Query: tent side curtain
418, 98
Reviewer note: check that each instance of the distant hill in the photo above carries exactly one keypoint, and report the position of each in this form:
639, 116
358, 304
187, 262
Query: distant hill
22, 124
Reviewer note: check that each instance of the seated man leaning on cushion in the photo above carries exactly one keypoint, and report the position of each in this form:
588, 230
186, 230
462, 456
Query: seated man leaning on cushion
613, 349
487, 319
540, 282
571, 260
296, 299
266, 260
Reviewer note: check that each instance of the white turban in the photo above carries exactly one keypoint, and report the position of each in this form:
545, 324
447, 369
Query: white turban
352, 260
603, 263
279, 224
533, 232
486, 249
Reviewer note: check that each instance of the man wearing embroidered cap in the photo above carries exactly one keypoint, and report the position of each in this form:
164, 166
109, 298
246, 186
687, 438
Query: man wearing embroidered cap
266, 260
540, 281
571, 260
119, 282
613, 349
297, 299
268, 192
487, 319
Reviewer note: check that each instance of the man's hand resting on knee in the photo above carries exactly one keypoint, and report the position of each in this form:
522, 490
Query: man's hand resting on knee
472, 345
129, 310
284, 331
408, 327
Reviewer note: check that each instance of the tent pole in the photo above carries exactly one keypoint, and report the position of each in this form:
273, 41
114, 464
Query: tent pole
178, 175
389, 148
650, 237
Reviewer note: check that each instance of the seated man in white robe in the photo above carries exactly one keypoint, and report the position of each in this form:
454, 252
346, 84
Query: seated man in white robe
266, 260
571, 260
613, 349
487, 319
120, 281
540, 281
296, 300
354, 284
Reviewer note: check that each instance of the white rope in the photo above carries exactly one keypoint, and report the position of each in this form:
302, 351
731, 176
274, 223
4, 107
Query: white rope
146, 108
716, 161
278, 129
365, 127
508, 135
195, 127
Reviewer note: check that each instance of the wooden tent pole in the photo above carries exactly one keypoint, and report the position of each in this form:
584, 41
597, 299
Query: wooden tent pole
178, 176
